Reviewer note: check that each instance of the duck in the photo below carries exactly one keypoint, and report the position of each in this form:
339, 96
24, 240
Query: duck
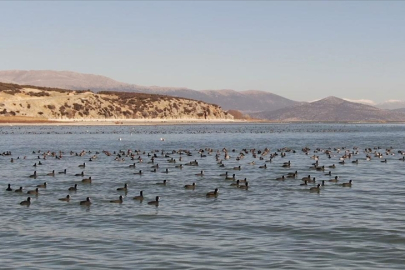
34, 175
230, 177
74, 188
82, 165
79, 174
311, 180
329, 173
192, 186
212, 193
33, 192
245, 186
155, 202
224, 174
235, 184
86, 180
315, 189
86, 202
334, 179
306, 178
65, 199
42, 186
51, 173
9, 188
200, 174
125, 188
132, 166
63, 172
26, 202
263, 166
120, 200
333, 166
348, 184
162, 183
140, 197
140, 172
237, 168
20, 190
281, 178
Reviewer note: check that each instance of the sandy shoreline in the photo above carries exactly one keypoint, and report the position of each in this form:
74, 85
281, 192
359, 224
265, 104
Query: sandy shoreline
28, 121
111, 122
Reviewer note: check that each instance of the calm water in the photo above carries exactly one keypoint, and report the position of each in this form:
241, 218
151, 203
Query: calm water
273, 224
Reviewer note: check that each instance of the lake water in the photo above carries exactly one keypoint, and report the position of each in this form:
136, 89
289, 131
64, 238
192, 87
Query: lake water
273, 224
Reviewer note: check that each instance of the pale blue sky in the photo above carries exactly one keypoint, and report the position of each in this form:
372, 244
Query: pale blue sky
296, 49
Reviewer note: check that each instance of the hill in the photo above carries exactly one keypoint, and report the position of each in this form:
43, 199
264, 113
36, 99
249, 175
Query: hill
61, 104
244, 101
331, 109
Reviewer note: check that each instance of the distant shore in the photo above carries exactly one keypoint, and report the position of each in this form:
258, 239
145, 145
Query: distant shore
31, 121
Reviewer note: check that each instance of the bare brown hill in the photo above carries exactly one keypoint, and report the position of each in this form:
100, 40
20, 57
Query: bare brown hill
62, 104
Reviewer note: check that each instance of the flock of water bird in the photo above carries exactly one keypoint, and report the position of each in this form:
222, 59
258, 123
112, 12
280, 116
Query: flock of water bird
323, 163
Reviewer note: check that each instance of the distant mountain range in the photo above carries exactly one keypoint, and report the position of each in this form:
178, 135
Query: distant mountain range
332, 109
258, 104
245, 101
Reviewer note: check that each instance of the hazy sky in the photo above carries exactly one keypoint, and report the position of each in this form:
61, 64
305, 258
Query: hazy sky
296, 49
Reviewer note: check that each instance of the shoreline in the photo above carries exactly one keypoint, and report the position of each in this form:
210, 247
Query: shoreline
22, 121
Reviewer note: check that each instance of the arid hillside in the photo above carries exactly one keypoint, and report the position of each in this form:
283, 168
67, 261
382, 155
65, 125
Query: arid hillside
60, 104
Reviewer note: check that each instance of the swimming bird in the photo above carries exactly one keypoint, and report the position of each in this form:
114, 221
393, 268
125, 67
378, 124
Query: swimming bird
245, 186
132, 166
9, 188
140, 197
86, 180
73, 188
26, 202
79, 174
305, 183
125, 188
235, 184
34, 192
263, 166
349, 184
34, 175
192, 186
237, 168
155, 202
162, 183
224, 174
63, 172
140, 172
315, 189
42, 186
212, 193
86, 202
120, 200
334, 179
65, 199
20, 190
306, 178
230, 177
82, 165
281, 178
51, 173
200, 174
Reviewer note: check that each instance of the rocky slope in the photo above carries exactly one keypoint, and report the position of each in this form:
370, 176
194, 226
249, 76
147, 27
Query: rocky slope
244, 101
60, 104
332, 109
